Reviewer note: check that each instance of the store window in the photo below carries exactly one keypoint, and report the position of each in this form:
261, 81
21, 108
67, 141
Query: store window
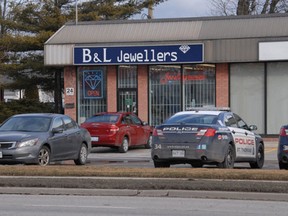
174, 88
247, 93
127, 89
165, 92
277, 96
199, 85
92, 91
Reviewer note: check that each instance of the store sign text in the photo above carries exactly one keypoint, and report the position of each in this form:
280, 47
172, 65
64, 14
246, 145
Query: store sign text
138, 55
177, 77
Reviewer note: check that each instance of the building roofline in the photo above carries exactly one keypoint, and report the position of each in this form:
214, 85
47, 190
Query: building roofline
182, 19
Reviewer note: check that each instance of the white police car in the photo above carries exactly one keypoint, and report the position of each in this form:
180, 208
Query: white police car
206, 137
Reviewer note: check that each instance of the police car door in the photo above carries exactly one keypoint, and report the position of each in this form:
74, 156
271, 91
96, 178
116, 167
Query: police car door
245, 143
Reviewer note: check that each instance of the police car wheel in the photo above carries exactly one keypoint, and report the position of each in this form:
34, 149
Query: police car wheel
229, 158
260, 158
160, 164
283, 165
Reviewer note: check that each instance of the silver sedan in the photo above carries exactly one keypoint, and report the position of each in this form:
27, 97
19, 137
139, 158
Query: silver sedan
41, 138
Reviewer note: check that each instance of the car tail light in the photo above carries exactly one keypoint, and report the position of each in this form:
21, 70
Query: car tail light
283, 131
114, 128
157, 132
209, 132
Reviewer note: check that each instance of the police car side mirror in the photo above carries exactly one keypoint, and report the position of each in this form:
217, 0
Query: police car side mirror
252, 127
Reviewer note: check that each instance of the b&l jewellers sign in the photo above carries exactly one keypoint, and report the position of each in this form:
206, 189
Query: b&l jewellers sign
188, 53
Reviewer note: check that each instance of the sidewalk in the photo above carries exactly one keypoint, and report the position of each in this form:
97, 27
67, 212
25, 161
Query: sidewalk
139, 184
281, 197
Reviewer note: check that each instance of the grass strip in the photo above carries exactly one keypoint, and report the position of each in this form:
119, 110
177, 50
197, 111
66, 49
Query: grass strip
102, 171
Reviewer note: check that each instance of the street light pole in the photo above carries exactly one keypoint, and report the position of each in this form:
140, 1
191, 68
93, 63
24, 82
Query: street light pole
76, 11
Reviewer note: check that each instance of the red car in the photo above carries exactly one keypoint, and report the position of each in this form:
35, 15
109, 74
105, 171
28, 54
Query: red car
118, 129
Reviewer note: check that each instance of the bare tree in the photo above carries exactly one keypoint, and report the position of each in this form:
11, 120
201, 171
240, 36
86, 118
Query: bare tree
248, 7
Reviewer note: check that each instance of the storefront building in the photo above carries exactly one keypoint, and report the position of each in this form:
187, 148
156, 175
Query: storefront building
156, 68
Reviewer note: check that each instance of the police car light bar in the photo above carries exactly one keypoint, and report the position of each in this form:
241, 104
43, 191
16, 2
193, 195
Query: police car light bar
208, 108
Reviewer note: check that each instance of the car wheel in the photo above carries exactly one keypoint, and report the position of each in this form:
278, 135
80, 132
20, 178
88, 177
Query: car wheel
82, 155
44, 156
229, 158
124, 145
197, 164
149, 142
283, 165
259, 158
160, 164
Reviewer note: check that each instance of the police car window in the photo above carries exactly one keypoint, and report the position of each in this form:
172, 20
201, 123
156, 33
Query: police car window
193, 119
240, 122
230, 121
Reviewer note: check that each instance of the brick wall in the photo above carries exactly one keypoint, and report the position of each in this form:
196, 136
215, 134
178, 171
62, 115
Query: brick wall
142, 92
70, 81
222, 85
111, 88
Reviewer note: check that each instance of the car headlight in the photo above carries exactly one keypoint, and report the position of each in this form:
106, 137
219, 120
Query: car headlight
27, 143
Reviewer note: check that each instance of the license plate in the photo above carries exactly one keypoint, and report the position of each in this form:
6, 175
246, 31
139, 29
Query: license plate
95, 139
178, 153
1, 155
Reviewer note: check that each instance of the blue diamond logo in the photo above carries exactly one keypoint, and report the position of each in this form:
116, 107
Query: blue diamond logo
93, 79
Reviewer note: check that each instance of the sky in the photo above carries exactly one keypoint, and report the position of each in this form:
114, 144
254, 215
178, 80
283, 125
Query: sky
178, 8
182, 8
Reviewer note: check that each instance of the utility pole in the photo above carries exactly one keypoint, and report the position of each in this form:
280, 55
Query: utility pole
150, 9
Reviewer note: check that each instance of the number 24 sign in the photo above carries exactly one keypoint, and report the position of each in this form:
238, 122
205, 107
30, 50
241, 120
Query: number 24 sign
69, 91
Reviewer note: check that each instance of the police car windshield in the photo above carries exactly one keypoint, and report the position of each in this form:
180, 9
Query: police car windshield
192, 119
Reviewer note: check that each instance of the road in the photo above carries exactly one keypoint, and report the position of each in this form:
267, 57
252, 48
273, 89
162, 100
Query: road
140, 157
46, 205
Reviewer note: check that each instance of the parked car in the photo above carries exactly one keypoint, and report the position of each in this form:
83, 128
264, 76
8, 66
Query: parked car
42, 138
283, 148
206, 137
118, 130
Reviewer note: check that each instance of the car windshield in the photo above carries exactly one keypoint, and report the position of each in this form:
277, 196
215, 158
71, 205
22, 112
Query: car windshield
107, 118
192, 119
27, 123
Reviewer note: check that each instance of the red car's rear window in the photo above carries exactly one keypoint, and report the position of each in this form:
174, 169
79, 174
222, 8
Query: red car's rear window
107, 118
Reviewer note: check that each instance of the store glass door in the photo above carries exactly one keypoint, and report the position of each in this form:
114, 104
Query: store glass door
127, 101
127, 89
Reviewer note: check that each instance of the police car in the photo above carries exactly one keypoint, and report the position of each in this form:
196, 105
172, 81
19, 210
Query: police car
199, 137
